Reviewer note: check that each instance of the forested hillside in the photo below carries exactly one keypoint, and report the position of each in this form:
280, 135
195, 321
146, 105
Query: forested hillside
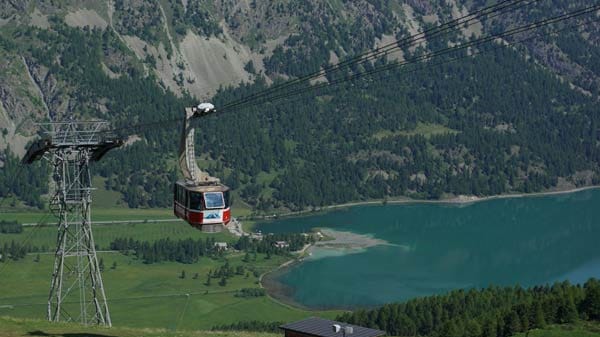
488, 312
492, 119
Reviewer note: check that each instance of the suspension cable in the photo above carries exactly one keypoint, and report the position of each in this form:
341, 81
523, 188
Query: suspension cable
414, 39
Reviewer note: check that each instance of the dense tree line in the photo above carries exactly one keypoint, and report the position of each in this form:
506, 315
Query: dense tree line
183, 251
257, 326
26, 182
190, 250
142, 19
17, 250
251, 292
490, 312
10, 227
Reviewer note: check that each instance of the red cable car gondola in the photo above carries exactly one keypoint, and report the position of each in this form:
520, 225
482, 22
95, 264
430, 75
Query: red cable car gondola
199, 199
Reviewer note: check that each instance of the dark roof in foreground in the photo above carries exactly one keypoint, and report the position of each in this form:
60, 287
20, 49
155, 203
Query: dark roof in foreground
322, 327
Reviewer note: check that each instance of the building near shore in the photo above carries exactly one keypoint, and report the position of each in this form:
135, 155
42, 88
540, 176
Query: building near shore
281, 244
319, 327
257, 236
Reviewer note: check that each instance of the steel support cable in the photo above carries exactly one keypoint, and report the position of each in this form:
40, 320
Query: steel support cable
359, 59
428, 56
431, 55
426, 66
148, 125
438, 53
390, 47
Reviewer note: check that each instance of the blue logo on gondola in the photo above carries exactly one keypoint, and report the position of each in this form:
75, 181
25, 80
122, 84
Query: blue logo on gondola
214, 215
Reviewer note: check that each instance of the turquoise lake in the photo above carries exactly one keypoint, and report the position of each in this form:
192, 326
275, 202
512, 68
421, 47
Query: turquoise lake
435, 248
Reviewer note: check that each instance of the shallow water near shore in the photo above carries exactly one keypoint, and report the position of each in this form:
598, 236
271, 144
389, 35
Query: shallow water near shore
426, 249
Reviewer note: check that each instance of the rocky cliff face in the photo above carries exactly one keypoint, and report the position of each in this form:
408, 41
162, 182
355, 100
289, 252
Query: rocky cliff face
195, 46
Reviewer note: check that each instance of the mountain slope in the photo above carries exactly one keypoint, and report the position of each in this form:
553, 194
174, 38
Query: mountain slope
518, 118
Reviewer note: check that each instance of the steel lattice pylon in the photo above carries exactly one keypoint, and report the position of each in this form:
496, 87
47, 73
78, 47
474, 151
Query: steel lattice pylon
76, 290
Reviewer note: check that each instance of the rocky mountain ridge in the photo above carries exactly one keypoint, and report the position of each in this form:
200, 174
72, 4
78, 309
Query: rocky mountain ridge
194, 46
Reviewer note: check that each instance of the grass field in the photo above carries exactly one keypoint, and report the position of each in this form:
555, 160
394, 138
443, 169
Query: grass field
98, 214
154, 295
105, 234
140, 295
104, 198
423, 129
15, 327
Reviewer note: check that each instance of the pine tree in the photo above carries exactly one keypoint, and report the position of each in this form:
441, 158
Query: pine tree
591, 303
512, 324
473, 329
539, 319
101, 264
182, 275
567, 311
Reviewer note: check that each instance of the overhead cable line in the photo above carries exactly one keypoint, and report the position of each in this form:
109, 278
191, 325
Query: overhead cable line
358, 59
455, 25
431, 55
148, 125
425, 57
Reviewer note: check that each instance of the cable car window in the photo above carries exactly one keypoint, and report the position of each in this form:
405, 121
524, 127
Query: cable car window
214, 200
195, 200
227, 198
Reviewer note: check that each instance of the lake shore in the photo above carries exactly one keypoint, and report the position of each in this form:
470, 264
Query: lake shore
343, 242
463, 199
348, 243
455, 200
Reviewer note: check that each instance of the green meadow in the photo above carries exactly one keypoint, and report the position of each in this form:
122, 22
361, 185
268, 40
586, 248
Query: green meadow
98, 214
154, 295
40, 236
141, 295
